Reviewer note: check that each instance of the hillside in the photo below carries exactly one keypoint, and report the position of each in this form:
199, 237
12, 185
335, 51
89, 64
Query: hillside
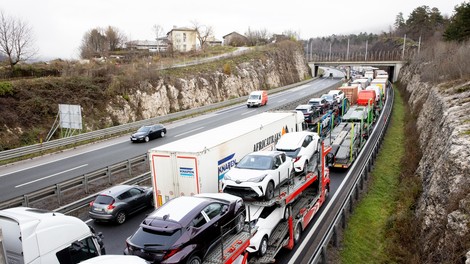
113, 94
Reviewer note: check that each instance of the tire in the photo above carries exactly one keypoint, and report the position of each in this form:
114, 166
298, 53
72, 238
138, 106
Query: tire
121, 217
239, 223
162, 134
297, 233
194, 259
147, 139
263, 246
269, 194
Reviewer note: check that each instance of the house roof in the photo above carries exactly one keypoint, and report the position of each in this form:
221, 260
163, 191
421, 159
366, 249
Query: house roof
234, 33
180, 29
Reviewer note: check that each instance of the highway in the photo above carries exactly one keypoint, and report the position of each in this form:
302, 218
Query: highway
27, 176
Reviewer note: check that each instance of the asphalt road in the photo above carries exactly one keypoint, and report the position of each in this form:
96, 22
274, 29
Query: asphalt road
30, 175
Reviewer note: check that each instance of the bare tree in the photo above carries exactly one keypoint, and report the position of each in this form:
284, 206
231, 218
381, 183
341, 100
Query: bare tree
16, 40
158, 30
115, 38
203, 32
257, 37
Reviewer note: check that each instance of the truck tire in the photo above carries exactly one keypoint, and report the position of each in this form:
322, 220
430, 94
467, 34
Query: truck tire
297, 233
269, 194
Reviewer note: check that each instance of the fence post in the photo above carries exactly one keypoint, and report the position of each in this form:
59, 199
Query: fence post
59, 195
85, 182
129, 167
109, 174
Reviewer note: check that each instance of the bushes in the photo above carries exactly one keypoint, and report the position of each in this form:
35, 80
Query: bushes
6, 88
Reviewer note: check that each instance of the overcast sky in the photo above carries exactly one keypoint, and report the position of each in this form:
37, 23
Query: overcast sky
59, 25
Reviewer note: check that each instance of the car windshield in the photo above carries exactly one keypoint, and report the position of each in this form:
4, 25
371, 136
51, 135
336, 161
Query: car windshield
144, 129
255, 162
103, 199
255, 96
328, 97
148, 238
302, 110
291, 152
314, 102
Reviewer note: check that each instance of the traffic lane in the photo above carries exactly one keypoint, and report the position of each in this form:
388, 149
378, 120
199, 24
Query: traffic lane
115, 235
29, 180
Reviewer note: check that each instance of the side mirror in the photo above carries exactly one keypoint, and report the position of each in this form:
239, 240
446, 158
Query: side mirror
224, 209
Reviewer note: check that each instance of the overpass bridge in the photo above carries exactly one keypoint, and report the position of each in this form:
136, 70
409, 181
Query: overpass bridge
393, 66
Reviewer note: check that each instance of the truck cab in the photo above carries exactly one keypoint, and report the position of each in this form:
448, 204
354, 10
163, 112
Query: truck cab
34, 236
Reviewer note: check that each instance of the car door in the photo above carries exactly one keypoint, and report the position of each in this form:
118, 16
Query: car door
206, 226
136, 199
284, 167
153, 132
308, 147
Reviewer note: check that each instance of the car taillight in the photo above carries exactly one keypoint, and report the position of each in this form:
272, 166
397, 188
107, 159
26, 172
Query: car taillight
297, 158
111, 206
171, 253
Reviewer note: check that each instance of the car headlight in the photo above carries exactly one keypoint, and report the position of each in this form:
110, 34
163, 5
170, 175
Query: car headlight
226, 177
258, 179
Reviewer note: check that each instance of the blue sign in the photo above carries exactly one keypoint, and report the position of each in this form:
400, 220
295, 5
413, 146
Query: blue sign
225, 164
186, 172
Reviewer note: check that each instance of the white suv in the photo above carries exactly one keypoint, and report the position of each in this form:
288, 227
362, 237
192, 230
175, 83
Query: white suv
258, 174
339, 95
300, 146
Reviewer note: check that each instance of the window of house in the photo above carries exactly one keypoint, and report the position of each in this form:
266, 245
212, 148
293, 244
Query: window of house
184, 37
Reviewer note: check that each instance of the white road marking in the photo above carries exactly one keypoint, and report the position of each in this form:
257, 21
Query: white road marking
280, 101
50, 176
248, 112
187, 132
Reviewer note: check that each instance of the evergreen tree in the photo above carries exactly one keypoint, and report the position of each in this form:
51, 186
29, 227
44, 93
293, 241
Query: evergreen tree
459, 27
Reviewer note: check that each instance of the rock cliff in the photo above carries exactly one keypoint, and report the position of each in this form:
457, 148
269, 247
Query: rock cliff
443, 124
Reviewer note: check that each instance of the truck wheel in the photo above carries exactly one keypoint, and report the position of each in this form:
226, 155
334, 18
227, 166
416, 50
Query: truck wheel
263, 246
147, 139
194, 259
269, 194
121, 217
239, 223
297, 232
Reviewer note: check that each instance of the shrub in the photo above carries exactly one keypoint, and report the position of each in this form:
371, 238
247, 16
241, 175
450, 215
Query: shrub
228, 68
6, 88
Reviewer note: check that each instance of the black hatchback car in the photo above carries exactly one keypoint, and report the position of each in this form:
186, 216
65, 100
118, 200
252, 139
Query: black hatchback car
116, 203
186, 228
146, 133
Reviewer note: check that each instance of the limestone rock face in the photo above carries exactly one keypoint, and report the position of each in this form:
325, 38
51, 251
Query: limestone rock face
167, 95
444, 137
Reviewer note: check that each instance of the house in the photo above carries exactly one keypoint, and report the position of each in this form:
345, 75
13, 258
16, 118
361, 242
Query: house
212, 41
182, 39
161, 44
235, 39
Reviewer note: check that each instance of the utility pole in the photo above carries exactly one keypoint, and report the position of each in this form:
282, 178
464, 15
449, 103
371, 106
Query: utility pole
347, 52
367, 42
329, 56
311, 49
404, 44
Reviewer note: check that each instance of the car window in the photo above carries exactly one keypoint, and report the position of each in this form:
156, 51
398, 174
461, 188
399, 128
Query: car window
147, 238
135, 192
78, 251
104, 199
213, 210
124, 195
255, 162
198, 221
144, 129
283, 157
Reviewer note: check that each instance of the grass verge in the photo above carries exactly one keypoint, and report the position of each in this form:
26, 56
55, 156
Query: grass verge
365, 239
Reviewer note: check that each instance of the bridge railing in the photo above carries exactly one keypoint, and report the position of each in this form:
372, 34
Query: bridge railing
385, 55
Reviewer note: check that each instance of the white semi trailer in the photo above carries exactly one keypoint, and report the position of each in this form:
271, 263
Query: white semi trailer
197, 164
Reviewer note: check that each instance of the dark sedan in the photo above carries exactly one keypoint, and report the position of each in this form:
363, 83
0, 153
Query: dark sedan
146, 133
116, 203
184, 229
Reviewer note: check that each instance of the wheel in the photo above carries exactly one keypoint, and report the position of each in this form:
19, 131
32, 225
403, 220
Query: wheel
263, 246
194, 259
147, 139
239, 223
121, 217
269, 194
297, 232
162, 134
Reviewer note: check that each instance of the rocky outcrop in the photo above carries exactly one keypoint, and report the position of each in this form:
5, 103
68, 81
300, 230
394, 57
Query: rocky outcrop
279, 67
444, 137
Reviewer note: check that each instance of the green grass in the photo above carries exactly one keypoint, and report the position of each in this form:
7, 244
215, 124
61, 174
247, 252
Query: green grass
365, 239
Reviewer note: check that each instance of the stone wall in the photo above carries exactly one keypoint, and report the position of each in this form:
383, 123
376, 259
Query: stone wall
444, 138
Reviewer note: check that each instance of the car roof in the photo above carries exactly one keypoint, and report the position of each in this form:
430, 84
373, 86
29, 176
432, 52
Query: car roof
316, 99
295, 139
116, 190
270, 153
304, 106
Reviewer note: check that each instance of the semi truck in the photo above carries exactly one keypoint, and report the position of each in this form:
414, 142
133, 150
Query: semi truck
302, 197
198, 163
34, 236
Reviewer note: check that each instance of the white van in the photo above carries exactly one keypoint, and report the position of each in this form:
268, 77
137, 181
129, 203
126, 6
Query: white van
34, 236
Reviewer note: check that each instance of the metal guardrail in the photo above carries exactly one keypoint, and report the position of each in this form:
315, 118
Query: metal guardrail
83, 182
321, 250
107, 132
